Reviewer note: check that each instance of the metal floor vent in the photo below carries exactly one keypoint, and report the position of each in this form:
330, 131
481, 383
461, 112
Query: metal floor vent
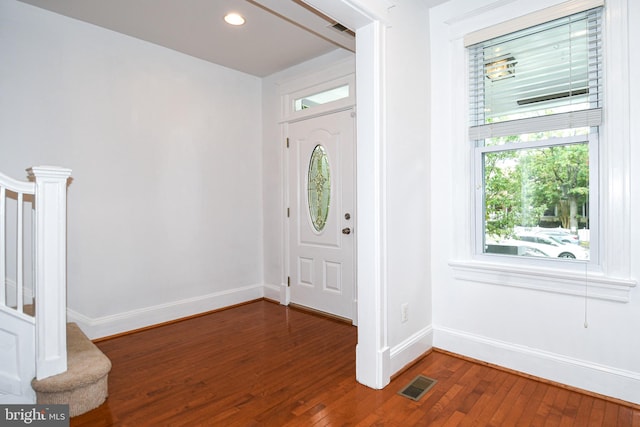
418, 387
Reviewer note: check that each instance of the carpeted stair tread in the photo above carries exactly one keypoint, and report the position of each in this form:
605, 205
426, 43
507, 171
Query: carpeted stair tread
84, 385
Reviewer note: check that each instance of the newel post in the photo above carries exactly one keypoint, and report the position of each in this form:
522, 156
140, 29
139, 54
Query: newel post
50, 233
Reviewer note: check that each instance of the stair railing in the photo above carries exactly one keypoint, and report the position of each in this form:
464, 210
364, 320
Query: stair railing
13, 192
48, 191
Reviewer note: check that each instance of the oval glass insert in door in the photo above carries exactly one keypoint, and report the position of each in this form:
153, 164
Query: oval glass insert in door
319, 187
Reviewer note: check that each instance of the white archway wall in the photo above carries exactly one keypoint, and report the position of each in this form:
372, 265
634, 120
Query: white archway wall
392, 80
371, 360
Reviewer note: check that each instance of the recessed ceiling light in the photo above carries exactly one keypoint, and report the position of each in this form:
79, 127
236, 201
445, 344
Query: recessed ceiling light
234, 19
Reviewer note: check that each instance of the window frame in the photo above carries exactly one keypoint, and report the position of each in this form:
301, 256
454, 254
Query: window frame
289, 112
544, 123
591, 139
610, 279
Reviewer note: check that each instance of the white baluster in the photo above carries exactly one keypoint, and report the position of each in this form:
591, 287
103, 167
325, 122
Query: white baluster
19, 256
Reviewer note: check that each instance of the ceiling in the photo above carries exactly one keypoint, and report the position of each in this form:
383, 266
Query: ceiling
277, 33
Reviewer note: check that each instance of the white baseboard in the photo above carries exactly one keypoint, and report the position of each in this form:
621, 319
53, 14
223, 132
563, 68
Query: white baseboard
411, 349
148, 316
585, 375
273, 293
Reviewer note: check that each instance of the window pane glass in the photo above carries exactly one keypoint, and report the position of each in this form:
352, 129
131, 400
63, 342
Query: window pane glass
533, 75
319, 187
321, 98
536, 201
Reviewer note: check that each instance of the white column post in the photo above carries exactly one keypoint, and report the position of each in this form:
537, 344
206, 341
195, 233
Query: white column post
369, 18
50, 269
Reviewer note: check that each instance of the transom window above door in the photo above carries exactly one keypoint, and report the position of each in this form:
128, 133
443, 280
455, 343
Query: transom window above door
334, 95
321, 98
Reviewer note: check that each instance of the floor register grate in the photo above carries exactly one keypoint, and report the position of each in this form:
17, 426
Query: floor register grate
418, 387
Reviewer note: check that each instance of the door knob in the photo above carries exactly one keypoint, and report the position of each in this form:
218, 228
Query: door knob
346, 230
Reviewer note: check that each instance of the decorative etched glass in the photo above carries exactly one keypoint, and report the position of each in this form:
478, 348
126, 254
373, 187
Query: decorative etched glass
319, 187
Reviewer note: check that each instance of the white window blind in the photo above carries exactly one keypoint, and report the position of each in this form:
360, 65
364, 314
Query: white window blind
541, 78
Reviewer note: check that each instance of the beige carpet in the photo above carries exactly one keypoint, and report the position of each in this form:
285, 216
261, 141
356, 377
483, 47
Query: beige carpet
84, 385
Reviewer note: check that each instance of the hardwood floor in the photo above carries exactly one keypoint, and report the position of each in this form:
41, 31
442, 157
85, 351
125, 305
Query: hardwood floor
262, 364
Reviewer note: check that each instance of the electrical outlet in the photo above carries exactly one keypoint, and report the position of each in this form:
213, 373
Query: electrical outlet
404, 312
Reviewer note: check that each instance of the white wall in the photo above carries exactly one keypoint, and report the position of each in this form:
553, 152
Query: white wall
499, 316
165, 206
407, 106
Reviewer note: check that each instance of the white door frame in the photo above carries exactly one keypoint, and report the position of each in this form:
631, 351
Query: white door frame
372, 352
337, 74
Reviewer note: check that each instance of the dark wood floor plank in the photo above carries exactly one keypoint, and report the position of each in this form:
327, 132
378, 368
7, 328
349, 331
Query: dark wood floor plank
520, 403
570, 410
544, 409
454, 419
499, 417
584, 412
556, 410
262, 364
485, 410
534, 401
610, 417
597, 413
625, 416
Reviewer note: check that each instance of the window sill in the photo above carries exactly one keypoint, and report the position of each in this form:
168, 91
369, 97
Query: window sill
558, 281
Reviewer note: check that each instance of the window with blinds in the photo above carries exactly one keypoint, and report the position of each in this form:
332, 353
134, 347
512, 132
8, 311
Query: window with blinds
535, 108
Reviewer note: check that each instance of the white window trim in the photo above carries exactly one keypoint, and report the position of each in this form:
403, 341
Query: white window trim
288, 99
610, 279
531, 19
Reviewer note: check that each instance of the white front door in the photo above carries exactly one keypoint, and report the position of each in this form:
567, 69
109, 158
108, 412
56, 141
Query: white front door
322, 213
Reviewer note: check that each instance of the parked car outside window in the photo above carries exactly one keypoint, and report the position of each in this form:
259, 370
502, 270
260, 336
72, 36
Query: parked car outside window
553, 247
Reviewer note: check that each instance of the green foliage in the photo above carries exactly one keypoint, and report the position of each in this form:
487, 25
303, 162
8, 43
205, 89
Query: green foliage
520, 185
